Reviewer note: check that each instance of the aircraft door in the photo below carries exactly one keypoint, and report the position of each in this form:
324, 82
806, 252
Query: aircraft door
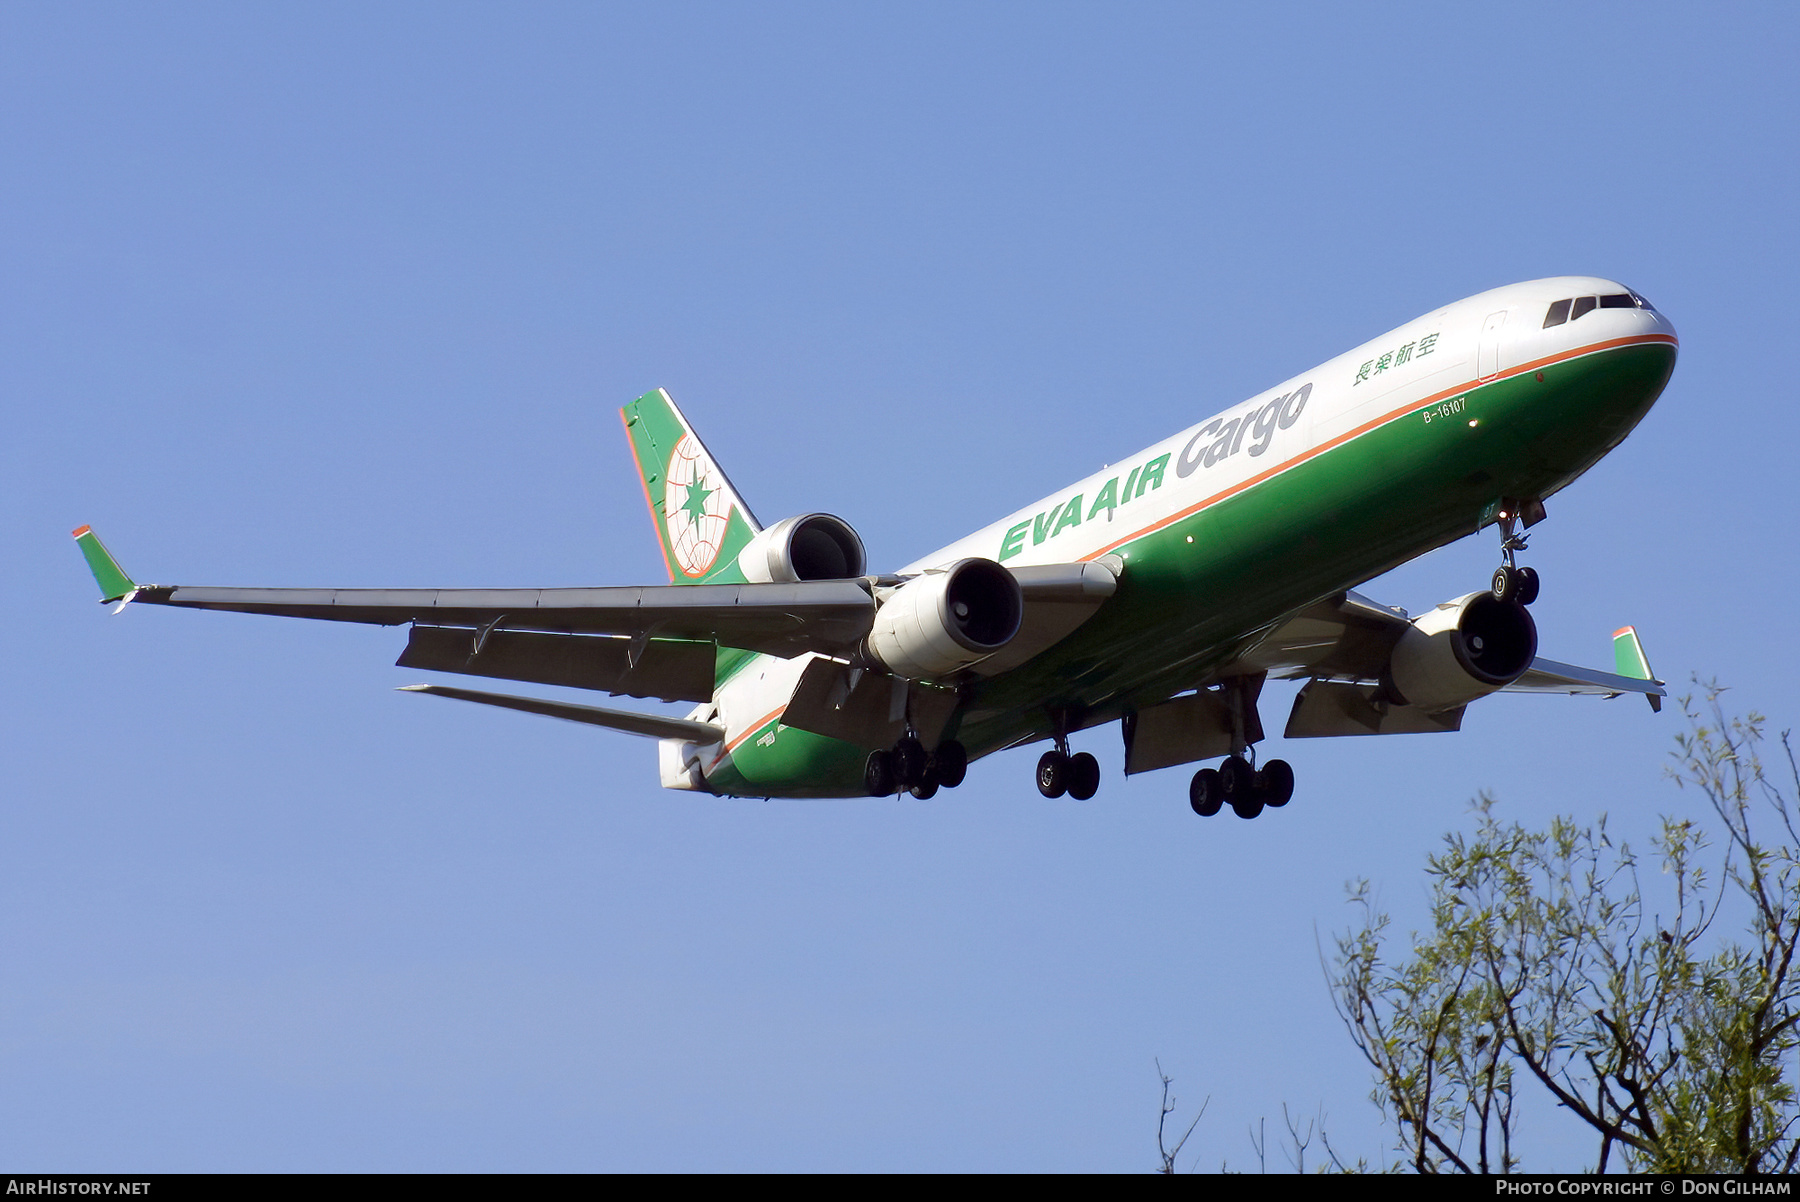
1487, 355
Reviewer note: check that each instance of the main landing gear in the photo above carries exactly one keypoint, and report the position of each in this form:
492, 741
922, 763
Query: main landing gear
1512, 582
1241, 785
908, 767
1058, 772
1238, 782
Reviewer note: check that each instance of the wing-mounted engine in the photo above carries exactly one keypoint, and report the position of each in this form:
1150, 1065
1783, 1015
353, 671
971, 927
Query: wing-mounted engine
1463, 649
814, 546
940, 622
1376, 673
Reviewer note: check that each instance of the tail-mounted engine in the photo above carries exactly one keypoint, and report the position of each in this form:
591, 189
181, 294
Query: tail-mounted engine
816, 546
1463, 649
942, 621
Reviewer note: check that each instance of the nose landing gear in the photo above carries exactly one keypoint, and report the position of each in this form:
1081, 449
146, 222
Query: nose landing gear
1512, 582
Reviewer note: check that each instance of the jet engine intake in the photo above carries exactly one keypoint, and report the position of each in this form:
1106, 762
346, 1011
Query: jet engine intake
815, 546
1463, 649
944, 620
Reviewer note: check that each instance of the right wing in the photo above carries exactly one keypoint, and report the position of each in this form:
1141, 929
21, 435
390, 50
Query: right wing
1341, 645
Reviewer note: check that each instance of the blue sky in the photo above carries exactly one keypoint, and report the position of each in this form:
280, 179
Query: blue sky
349, 294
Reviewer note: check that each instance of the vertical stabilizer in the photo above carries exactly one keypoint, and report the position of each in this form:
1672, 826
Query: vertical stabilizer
700, 520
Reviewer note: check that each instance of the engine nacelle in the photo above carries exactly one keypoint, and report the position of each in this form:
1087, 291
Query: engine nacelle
1463, 649
943, 621
815, 546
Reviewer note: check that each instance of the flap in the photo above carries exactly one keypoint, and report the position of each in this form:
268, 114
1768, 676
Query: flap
666, 669
1329, 709
867, 708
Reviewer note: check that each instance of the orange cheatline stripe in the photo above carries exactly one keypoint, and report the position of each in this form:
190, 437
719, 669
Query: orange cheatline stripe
737, 742
1411, 407
760, 723
81, 531
662, 543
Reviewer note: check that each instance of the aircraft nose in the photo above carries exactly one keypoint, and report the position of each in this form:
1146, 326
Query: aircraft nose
1616, 302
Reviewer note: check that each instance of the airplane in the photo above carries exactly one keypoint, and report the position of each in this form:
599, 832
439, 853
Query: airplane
1159, 593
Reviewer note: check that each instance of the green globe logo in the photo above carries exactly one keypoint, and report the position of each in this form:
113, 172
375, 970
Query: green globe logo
696, 507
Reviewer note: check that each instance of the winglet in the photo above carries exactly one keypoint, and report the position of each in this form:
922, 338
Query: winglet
114, 584
1630, 660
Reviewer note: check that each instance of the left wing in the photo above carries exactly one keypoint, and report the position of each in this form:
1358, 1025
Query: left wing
827, 616
655, 641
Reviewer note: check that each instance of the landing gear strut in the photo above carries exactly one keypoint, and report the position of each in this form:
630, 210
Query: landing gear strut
1512, 582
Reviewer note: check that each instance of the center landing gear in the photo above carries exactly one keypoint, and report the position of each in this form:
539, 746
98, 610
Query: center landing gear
908, 767
1512, 582
1058, 772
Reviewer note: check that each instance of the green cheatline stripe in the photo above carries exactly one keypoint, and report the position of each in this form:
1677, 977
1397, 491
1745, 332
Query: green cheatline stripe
1628, 655
111, 578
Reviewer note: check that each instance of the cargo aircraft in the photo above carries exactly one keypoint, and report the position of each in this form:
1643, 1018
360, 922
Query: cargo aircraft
1158, 594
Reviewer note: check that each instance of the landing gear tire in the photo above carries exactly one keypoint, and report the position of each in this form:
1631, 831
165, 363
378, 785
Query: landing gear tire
910, 762
1237, 779
1205, 796
1505, 585
878, 775
1084, 776
1247, 806
1275, 783
926, 789
949, 763
1528, 585
1053, 774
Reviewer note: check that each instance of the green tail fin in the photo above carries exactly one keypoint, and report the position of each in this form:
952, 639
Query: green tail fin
114, 583
700, 520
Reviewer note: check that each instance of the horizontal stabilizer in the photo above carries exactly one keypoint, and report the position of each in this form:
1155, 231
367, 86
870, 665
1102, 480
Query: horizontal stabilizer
652, 726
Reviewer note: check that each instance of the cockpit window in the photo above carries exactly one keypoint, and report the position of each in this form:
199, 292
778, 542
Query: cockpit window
1578, 307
